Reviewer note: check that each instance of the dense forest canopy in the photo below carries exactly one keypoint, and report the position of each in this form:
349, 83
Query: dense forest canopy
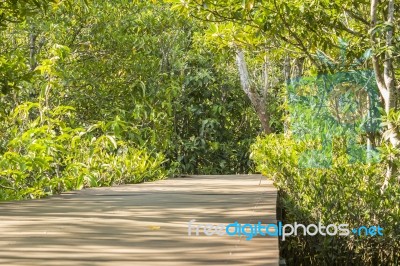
89, 86
99, 93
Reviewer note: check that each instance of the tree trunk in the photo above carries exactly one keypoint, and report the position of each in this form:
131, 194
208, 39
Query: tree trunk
298, 67
384, 72
287, 69
287, 75
32, 50
258, 100
385, 77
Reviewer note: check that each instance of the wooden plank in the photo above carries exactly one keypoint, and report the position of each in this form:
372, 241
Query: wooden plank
142, 224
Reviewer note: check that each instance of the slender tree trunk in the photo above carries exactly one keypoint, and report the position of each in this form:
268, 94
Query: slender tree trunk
298, 67
384, 72
258, 100
32, 50
287, 75
287, 69
385, 78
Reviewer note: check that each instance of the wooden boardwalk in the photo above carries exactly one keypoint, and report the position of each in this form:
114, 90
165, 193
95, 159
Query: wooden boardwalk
144, 224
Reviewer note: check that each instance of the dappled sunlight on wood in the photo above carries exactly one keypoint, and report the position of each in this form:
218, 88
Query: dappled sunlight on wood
144, 224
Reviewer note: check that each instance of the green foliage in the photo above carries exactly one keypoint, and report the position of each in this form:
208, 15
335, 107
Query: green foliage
100, 93
294, 27
214, 124
343, 194
14, 11
46, 154
116, 92
344, 105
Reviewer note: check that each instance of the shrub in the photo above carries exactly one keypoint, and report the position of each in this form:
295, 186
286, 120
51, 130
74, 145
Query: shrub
46, 153
342, 194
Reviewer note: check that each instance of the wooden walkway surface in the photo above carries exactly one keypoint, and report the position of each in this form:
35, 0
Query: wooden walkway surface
143, 224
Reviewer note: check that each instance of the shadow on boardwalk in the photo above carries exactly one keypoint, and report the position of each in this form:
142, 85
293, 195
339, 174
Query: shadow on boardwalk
143, 224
